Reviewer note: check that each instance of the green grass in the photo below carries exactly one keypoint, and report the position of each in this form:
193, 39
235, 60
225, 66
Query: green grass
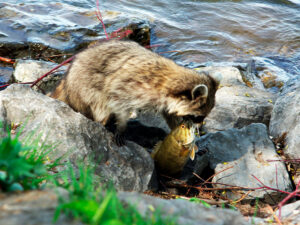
23, 167
197, 200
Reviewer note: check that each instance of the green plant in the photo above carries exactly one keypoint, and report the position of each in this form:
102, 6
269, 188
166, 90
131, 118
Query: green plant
256, 210
23, 167
197, 200
98, 205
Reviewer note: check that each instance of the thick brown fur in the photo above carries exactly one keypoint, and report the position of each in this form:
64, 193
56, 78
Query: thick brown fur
120, 77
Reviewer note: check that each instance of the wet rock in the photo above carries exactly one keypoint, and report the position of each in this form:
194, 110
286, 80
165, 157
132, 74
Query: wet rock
140, 30
32, 207
31, 70
130, 167
62, 29
236, 155
285, 121
290, 213
5, 74
32, 51
183, 211
269, 73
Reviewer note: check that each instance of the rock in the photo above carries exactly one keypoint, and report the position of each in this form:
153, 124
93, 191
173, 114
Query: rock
285, 120
154, 120
184, 212
5, 74
290, 213
140, 30
238, 106
130, 167
247, 151
270, 73
31, 70
227, 75
31, 207
145, 136
201, 162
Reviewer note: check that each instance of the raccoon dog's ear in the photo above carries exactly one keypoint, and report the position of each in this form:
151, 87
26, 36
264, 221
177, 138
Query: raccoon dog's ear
200, 90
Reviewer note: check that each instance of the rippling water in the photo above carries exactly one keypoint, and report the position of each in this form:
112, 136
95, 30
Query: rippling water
222, 30
199, 31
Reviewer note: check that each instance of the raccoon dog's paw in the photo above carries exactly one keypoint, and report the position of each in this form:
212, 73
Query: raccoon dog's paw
120, 138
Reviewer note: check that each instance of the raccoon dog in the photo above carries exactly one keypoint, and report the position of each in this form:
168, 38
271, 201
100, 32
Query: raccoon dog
116, 78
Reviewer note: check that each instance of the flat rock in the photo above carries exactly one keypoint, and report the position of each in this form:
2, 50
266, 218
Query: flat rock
236, 155
130, 167
31, 207
185, 212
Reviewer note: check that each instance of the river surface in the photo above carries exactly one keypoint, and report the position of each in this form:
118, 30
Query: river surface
197, 31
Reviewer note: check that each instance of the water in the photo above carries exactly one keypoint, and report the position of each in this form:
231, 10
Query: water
198, 31
222, 30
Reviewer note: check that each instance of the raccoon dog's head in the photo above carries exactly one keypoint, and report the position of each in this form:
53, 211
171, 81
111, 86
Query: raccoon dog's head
198, 101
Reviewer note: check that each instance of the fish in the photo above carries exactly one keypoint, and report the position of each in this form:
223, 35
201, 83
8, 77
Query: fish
171, 154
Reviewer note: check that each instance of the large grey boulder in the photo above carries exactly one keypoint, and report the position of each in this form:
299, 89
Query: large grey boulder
237, 154
130, 167
185, 212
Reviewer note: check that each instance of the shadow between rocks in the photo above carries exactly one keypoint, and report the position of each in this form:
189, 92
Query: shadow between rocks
142, 135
